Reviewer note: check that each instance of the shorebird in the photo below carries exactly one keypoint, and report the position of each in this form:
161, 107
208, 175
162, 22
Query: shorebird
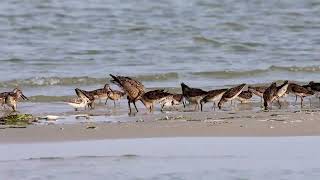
193, 95
101, 94
281, 91
90, 96
157, 96
133, 88
315, 87
231, 94
11, 98
213, 96
80, 102
244, 96
301, 91
269, 95
115, 95
178, 99
274, 93
258, 90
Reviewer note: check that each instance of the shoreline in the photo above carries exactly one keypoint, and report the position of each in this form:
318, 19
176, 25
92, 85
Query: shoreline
217, 124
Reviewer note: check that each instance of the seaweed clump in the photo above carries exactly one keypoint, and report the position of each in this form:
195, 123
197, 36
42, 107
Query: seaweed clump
17, 119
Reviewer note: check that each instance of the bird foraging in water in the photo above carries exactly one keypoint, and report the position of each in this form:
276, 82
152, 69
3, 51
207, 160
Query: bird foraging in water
258, 90
178, 99
231, 94
115, 95
315, 87
11, 98
133, 88
301, 91
101, 94
274, 93
213, 96
90, 96
80, 102
244, 96
157, 96
269, 95
193, 95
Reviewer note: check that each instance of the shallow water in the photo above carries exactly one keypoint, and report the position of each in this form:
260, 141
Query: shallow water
51, 47
164, 158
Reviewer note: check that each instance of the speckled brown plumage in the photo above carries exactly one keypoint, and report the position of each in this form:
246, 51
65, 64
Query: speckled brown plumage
231, 94
301, 91
213, 96
258, 90
193, 95
133, 88
11, 98
178, 99
115, 95
244, 96
156, 96
269, 94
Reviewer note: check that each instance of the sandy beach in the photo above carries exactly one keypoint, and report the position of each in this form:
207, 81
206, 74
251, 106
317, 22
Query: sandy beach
177, 124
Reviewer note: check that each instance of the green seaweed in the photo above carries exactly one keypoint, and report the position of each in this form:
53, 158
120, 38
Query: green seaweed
17, 119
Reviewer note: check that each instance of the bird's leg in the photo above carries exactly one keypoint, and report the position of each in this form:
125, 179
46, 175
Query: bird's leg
162, 106
201, 106
106, 102
129, 105
279, 104
134, 103
114, 103
295, 102
301, 101
310, 102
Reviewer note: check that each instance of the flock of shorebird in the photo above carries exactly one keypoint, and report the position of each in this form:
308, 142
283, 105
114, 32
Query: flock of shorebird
135, 91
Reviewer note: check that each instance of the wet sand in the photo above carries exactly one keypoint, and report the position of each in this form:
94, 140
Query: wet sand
177, 124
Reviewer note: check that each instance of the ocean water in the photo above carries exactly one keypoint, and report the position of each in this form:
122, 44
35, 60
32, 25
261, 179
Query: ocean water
50, 47
286, 158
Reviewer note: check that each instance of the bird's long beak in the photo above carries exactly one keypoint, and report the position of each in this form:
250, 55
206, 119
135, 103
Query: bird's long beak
24, 97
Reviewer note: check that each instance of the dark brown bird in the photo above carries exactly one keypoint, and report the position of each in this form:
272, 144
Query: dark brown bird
133, 88
178, 99
193, 95
156, 96
315, 87
231, 94
258, 90
299, 91
274, 93
244, 96
269, 95
213, 96
11, 98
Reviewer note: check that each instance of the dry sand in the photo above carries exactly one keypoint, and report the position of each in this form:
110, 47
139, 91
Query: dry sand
180, 124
